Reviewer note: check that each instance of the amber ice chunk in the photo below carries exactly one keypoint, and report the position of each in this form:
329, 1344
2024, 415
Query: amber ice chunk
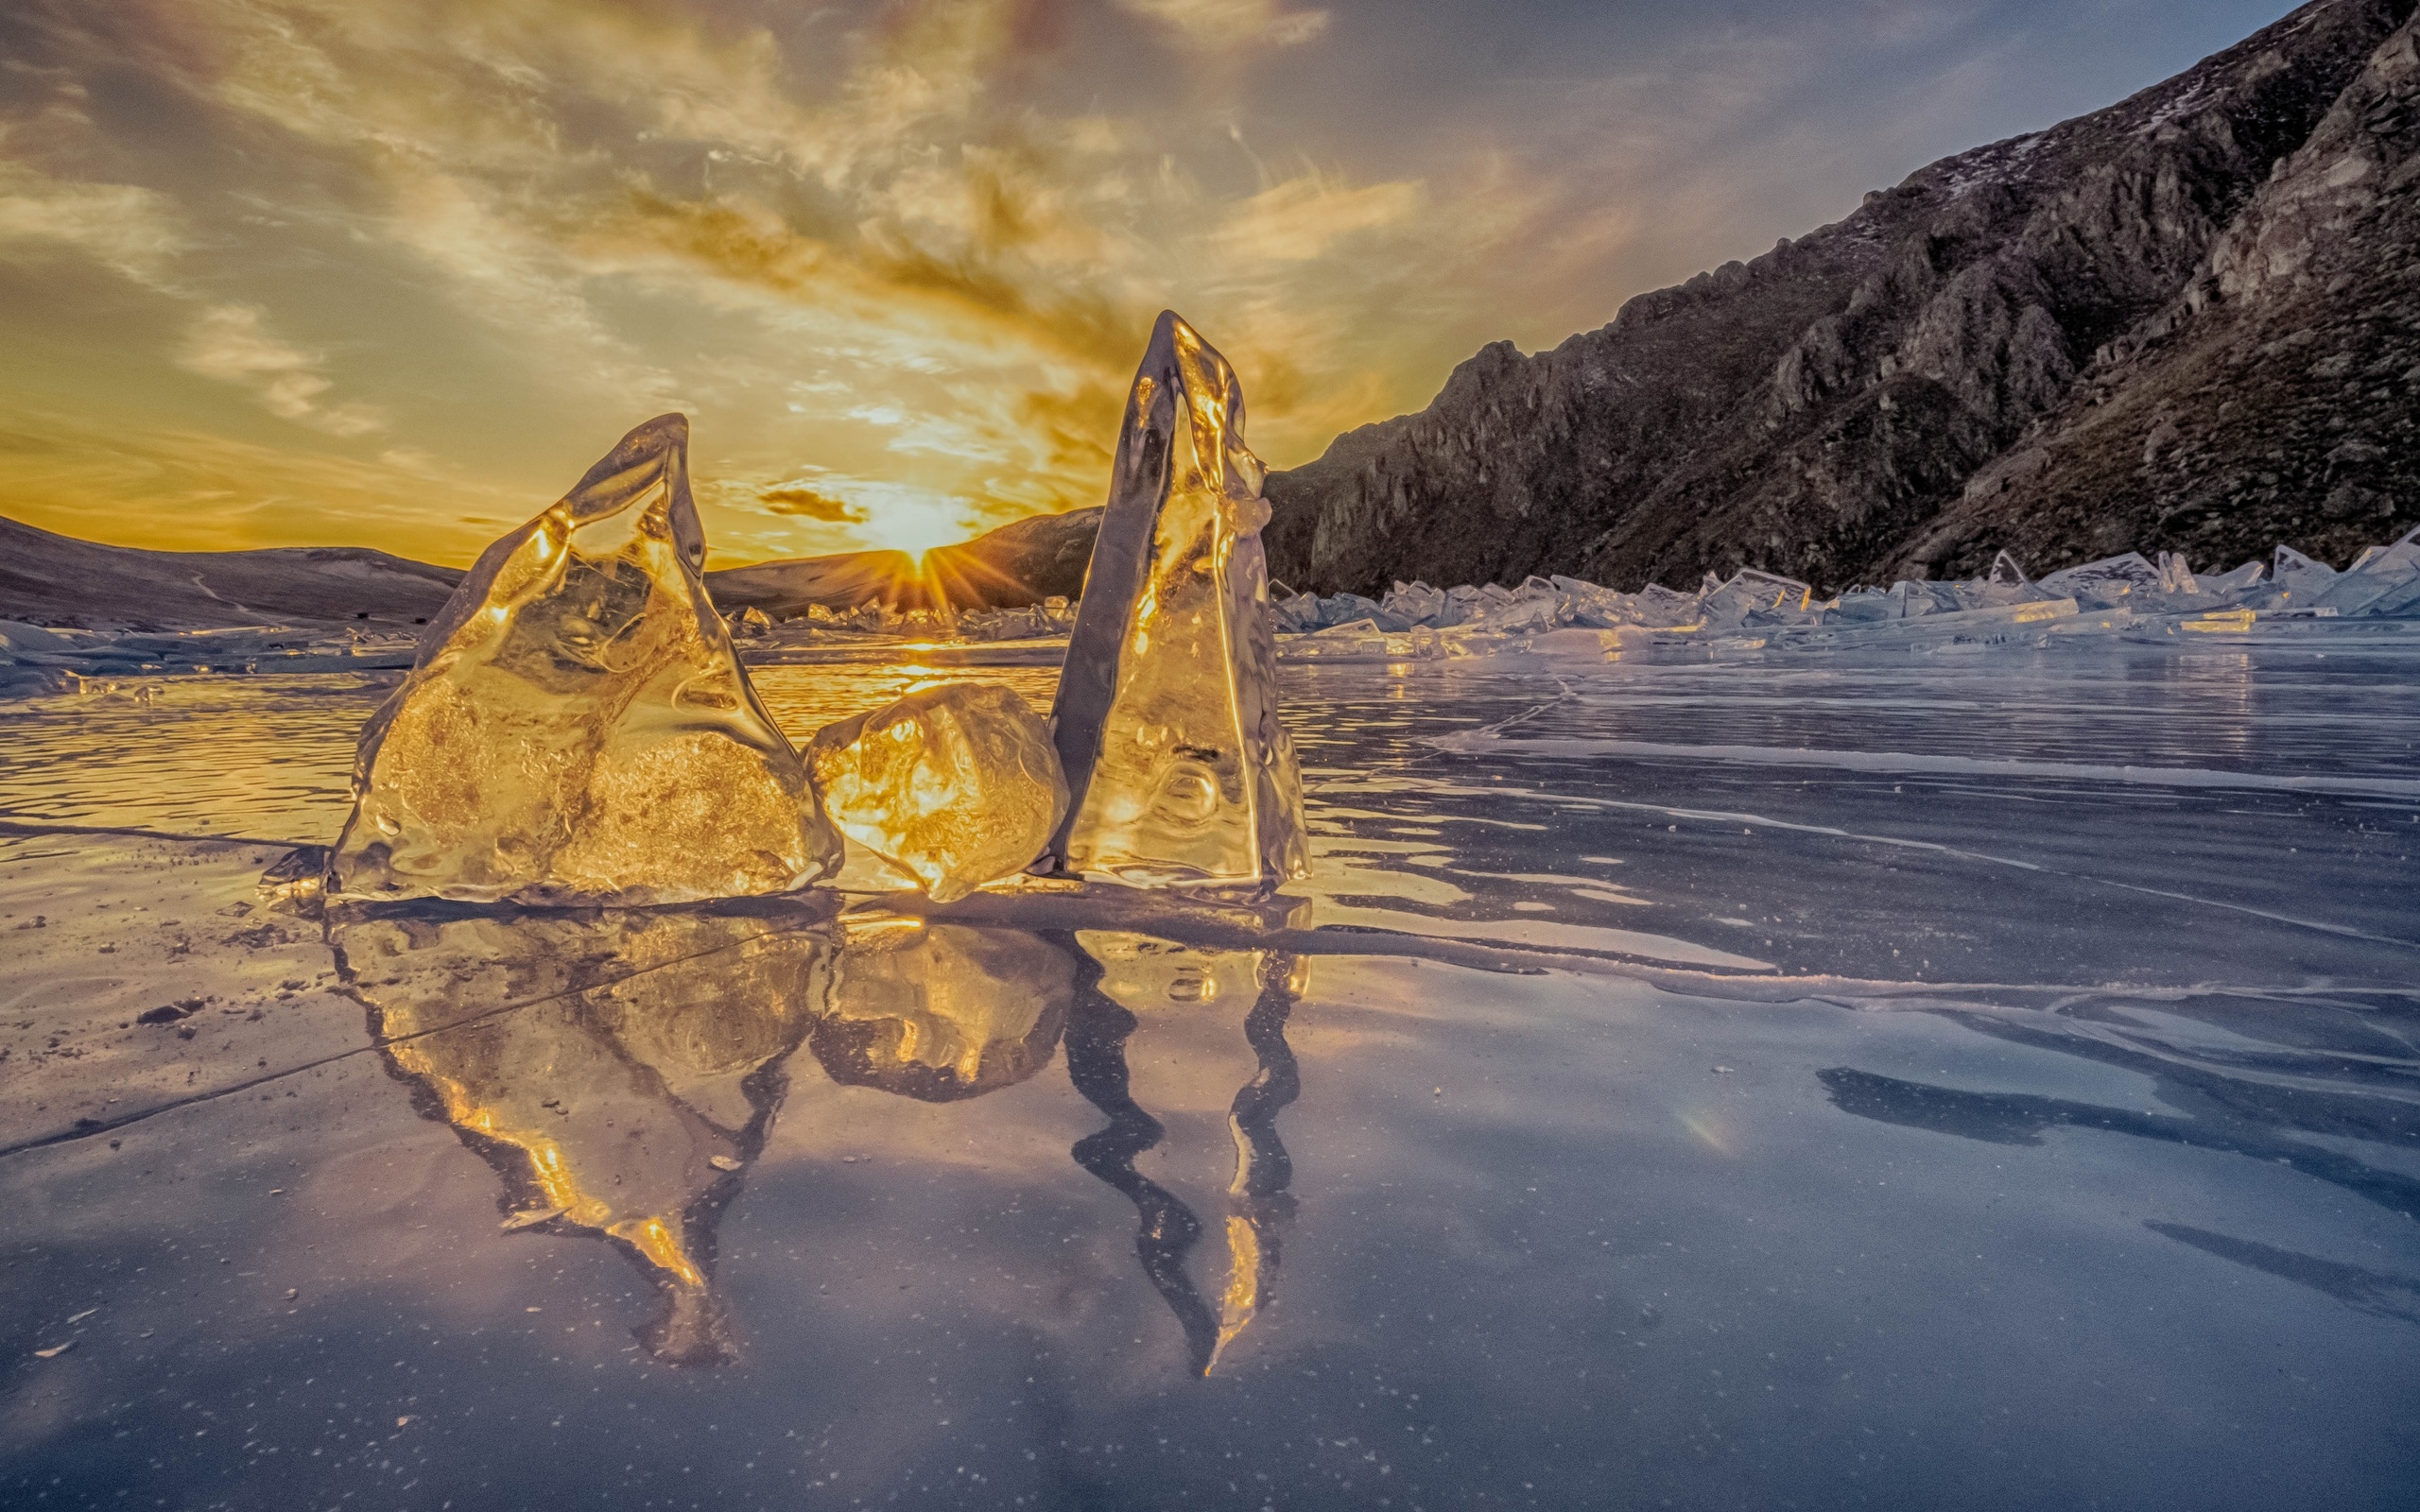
576, 727
1166, 712
955, 785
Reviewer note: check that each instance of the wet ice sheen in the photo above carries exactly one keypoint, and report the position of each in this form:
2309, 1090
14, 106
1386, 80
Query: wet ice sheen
1644, 1112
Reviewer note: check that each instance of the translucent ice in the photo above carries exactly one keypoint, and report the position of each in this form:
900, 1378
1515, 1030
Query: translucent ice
1416, 604
2106, 581
1166, 712
2299, 579
1343, 608
2385, 580
1753, 597
1051, 617
1665, 608
1294, 613
577, 729
955, 785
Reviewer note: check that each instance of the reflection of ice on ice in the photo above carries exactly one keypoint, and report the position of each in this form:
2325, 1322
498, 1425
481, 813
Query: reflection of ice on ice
607, 1064
1166, 712
944, 1011
621, 1069
577, 728
1140, 977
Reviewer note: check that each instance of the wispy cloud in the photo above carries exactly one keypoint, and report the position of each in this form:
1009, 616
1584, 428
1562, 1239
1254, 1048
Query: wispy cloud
1233, 23
131, 230
1305, 217
206, 492
229, 344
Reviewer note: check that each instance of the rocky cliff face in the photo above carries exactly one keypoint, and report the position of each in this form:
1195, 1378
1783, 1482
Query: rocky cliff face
2190, 322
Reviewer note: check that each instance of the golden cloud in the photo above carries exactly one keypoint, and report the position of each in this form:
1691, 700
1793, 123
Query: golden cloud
797, 499
855, 242
180, 490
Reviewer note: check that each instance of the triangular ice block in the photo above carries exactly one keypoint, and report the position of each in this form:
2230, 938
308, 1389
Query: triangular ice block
576, 729
1165, 721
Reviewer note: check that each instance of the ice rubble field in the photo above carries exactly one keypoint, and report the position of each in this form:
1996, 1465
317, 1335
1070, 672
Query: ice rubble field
1977, 1072
1750, 612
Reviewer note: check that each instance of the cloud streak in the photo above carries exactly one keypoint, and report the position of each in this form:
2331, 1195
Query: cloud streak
133, 231
229, 344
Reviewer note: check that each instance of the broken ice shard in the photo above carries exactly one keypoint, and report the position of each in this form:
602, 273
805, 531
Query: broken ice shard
2104, 582
1166, 713
2299, 579
955, 785
2382, 581
1753, 597
576, 727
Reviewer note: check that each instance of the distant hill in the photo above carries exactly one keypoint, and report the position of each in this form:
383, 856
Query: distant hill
54, 579
1018, 565
2189, 321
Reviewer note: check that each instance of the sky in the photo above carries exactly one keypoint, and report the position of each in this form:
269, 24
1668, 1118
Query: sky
371, 273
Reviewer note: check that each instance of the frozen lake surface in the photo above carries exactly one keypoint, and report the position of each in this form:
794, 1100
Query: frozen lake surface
1978, 1079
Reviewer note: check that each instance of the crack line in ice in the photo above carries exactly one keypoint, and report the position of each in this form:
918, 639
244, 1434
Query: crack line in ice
1849, 994
1733, 818
83, 1130
12, 826
1480, 741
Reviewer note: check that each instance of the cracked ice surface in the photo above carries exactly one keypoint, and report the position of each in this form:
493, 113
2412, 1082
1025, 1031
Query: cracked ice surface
1950, 1076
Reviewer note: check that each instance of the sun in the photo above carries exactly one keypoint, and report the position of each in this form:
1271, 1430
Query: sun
914, 526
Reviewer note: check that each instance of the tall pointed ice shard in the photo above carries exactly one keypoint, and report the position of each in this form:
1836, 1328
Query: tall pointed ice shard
1178, 770
577, 729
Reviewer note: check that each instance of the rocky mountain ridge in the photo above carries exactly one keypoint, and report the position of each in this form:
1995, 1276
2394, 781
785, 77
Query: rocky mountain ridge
2189, 321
